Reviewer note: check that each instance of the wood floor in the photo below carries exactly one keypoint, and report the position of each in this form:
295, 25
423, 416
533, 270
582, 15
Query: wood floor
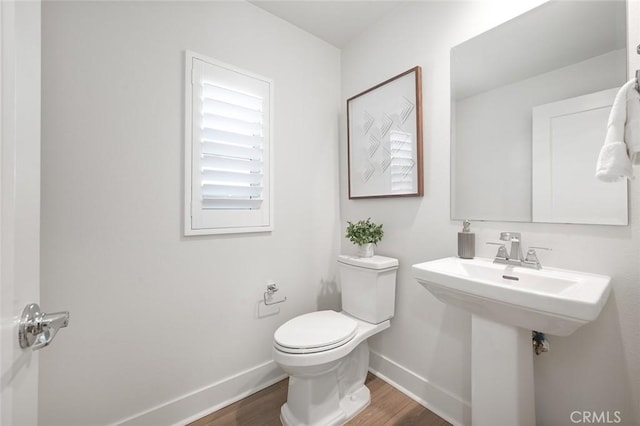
388, 407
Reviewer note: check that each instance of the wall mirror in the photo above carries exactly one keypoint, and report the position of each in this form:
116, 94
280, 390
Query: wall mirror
529, 108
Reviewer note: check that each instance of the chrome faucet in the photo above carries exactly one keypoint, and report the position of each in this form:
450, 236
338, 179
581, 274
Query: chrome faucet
514, 256
516, 251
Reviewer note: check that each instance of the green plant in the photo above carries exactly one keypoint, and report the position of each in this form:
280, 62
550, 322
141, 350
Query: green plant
364, 232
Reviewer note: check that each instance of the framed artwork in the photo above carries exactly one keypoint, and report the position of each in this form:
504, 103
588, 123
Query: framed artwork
384, 128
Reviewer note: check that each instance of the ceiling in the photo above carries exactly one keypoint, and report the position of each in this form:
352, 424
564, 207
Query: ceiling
335, 21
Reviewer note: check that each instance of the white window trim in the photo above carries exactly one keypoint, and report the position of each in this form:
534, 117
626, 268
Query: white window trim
189, 230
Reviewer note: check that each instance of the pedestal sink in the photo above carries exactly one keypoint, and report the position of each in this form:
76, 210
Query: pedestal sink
506, 303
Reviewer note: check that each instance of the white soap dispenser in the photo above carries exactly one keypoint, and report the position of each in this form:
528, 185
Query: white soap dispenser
466, 242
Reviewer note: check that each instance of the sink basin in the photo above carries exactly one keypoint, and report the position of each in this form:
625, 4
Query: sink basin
554, 301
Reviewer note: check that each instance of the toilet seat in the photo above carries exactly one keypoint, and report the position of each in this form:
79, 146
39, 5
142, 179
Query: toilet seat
315, 332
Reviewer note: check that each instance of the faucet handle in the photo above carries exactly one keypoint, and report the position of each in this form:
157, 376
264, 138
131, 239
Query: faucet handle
531, 253
532, 257
502, 250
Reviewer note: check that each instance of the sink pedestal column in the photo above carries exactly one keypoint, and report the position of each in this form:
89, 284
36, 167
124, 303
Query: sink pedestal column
501, 374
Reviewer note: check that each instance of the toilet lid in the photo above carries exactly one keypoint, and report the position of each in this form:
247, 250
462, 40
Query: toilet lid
315, 332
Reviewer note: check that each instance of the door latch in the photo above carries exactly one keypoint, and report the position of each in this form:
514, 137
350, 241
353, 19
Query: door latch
37, 329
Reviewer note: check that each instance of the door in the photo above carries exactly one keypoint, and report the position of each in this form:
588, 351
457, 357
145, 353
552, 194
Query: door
567, 138
19, 204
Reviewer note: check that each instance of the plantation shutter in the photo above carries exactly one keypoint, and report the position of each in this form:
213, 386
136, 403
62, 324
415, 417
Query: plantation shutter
231, 143
231, 147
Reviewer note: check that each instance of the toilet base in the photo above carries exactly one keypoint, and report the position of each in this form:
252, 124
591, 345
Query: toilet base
350, 406
353, 404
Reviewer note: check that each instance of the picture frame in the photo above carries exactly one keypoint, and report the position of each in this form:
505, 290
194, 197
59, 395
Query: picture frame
384, 139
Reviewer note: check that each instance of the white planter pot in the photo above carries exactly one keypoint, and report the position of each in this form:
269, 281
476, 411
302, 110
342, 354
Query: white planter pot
365, 250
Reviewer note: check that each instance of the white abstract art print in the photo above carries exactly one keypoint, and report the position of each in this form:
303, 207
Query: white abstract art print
385, 138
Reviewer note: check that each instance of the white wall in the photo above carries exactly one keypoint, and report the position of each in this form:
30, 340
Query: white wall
427, 349
156, 316
493, 136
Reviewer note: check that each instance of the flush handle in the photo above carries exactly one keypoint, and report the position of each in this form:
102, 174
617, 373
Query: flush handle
37, 329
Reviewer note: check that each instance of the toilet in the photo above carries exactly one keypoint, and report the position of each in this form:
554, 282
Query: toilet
326, 353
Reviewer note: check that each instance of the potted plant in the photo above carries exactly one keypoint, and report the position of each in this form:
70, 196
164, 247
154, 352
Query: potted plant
364, 234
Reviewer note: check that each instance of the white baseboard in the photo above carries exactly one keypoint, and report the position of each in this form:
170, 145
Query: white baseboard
234, 388
450, 407
208, 399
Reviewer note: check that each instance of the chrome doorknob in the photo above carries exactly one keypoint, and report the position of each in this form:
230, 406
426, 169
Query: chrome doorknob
37, 329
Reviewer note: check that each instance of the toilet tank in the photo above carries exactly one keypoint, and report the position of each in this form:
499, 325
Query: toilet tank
368, 287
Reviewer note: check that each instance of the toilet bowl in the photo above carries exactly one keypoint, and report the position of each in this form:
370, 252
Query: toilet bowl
326, 353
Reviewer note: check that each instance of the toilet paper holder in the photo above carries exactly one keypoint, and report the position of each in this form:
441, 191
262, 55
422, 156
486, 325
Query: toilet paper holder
272, 288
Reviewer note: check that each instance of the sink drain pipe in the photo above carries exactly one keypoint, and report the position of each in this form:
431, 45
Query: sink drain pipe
540, 343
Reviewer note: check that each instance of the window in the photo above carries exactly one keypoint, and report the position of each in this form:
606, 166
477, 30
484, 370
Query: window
228, 149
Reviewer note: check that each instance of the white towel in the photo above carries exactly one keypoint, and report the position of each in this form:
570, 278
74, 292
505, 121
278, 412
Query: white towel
622, 143
632, 127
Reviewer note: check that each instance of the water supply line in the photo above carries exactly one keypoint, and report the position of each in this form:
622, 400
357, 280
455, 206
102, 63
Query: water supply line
540, 344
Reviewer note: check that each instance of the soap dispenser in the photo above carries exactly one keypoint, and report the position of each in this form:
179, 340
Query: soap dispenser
466, 242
